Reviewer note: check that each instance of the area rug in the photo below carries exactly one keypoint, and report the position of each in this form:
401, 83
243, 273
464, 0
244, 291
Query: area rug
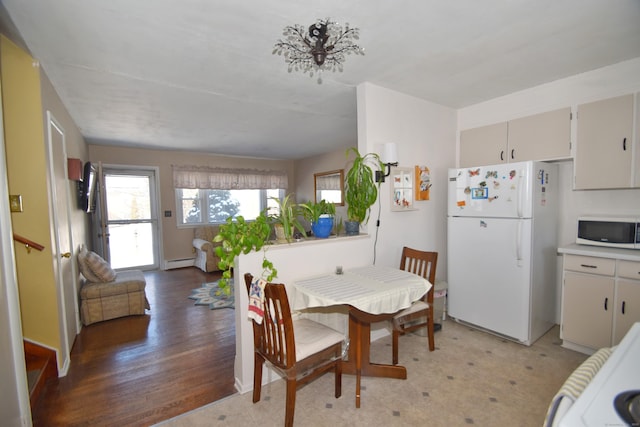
210, 294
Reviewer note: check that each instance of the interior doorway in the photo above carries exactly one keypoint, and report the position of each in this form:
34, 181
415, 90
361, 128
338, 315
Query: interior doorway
128, 218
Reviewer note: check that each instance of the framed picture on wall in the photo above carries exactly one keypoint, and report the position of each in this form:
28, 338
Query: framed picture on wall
402, 192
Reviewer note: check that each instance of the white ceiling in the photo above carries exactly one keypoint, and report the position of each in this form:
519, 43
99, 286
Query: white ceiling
200, 75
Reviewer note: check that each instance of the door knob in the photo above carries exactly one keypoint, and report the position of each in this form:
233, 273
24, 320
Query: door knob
66, 255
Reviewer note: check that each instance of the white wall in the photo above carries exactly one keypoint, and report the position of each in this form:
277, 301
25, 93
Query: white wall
425, 134
611, 81
606, 82
307, 167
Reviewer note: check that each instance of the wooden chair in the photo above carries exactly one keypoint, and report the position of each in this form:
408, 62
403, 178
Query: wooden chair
300, 350
423, 264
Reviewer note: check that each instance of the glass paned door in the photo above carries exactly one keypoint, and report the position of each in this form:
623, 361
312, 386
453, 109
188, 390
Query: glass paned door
131, 219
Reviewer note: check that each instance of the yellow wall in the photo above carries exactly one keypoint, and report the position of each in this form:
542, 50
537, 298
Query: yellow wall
27, 175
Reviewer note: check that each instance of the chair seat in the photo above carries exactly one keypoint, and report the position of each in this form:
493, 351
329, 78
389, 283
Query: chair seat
312, 337
415, 307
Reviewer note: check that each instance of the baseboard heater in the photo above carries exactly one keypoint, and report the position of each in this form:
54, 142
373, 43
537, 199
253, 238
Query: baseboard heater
178, 263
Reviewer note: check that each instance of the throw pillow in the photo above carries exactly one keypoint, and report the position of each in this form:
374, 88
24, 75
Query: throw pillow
84, 266
100, 267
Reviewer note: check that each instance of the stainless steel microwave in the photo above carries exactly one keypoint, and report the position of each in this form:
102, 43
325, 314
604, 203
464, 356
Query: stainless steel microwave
615, 232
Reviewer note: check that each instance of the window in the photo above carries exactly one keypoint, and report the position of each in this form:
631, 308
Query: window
209, 195
200, 206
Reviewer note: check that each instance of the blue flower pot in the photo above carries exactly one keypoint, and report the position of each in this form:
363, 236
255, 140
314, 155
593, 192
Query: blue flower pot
322, 228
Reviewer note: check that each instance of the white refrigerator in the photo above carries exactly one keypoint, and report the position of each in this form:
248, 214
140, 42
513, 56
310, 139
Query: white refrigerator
501, 270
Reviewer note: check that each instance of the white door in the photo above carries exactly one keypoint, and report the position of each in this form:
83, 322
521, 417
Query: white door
62, 251
130, 215
489, 273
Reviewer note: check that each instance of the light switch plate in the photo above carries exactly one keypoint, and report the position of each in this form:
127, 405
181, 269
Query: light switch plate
15, 201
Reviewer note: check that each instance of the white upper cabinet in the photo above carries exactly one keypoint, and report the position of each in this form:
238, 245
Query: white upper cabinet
545, 136
604, 149
485, 145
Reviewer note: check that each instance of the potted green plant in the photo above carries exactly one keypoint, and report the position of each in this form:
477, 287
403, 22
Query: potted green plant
285, 221
239, 236
361, 190
320, 215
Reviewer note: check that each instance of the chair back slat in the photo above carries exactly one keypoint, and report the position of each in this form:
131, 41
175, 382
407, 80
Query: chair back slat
422, 263
274, 338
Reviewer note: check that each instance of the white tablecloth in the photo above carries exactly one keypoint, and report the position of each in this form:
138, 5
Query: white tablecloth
371, 289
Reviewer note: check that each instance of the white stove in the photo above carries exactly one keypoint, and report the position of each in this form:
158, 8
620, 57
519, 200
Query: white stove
620, 374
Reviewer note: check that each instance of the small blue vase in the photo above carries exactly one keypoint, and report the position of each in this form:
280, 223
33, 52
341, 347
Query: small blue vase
322, 228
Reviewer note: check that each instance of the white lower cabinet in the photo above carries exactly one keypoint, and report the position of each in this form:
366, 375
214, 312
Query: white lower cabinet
600, 301
627, 298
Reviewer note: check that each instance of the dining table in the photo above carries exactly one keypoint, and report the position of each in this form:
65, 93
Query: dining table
372, 294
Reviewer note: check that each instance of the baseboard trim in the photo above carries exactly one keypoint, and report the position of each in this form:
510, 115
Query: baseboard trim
178, 263
240, 387
577, 347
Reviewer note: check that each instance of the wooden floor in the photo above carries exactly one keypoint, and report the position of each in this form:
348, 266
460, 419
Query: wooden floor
139, 370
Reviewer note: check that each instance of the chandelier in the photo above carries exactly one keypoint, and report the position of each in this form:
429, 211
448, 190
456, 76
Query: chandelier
322, 48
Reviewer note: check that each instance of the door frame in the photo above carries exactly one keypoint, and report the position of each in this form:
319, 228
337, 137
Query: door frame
12, 366
101, 223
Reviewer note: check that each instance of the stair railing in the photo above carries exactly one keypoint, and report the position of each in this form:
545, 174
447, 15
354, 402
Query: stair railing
28, 244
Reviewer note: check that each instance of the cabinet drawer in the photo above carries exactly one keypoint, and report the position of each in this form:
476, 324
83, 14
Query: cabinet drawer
629, 269
588, 264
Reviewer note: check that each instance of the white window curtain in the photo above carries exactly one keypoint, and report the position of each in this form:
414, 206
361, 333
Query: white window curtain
328, 182
205, 177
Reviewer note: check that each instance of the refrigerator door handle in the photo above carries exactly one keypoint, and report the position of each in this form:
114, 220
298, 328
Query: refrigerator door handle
519, 195
519, 241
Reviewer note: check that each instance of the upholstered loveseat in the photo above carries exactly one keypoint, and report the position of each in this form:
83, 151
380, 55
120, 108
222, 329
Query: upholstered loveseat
206, 259
105, 294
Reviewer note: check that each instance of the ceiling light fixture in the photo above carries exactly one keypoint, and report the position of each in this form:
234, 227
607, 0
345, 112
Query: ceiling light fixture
322, 48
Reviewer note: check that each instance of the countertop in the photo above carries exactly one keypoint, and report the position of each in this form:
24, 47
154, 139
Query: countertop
601, 251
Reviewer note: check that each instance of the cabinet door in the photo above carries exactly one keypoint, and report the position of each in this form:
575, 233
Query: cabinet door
485, 145
545, 136
587, 309
627, 310
603, 151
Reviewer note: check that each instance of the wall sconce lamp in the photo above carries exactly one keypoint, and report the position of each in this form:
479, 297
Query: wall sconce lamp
389, 158
74, 169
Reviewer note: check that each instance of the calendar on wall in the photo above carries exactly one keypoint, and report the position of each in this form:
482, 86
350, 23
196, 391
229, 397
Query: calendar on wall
423, 182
